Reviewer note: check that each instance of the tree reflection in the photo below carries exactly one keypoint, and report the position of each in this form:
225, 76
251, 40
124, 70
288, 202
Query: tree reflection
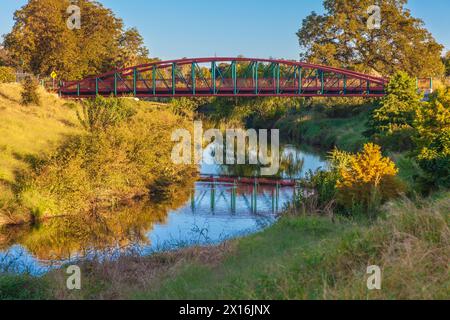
291, 166
61, 238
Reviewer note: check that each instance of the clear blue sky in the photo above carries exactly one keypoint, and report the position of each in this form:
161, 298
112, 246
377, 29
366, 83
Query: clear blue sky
254, 28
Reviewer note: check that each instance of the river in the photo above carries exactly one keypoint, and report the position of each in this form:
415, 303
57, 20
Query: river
208, 213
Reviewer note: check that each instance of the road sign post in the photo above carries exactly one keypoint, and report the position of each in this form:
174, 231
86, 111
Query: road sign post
53, 75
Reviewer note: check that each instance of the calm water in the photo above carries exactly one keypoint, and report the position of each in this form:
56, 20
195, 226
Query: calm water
203, 213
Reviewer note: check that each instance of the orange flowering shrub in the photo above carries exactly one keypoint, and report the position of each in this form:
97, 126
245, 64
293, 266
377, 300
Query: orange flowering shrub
367, 179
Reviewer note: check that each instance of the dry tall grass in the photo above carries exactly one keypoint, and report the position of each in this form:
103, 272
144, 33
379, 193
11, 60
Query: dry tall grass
26, 133
412, 247
121, 278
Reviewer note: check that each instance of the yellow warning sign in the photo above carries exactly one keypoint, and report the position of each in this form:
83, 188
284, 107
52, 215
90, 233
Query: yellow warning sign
54, 75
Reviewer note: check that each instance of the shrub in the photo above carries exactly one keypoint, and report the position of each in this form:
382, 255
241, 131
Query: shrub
186, 107
399, 140
7, 74
433, 129
100, 113
30, 96
320, 190
367, 180
22, 287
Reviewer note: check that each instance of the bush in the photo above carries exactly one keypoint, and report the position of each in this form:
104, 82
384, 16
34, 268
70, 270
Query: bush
100, 113
7, 75
399, 140
367, 180
186, 107
433, 129
30, 95
318, 192
22, 287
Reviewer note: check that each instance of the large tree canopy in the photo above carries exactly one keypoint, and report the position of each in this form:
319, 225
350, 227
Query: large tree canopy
341, 37
41, 42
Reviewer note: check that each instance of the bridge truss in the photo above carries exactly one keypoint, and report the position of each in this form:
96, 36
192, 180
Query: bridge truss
228, 77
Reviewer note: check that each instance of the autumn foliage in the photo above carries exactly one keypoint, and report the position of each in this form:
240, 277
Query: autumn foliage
367, 179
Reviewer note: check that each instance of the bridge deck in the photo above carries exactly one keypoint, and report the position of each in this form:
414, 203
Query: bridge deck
249, 181
228, 77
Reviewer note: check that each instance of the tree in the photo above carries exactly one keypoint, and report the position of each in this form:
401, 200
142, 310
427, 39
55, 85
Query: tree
41, 41
7, 75
100, 113
5, 58
341, 37
391, 125
446, 61
433, 137
30, 95
132, 49
399, 106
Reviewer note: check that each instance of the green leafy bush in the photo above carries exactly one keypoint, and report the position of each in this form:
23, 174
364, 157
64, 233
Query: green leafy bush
398, 140
433, 129
318, 192
7, 74
320, 186
22, 287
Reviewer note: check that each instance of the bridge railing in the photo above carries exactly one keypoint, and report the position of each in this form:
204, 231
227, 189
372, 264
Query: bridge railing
227, 77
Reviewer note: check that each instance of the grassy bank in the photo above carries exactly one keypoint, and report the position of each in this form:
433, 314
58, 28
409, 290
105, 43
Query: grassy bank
328, 127
297, 258
27, 134
61, 159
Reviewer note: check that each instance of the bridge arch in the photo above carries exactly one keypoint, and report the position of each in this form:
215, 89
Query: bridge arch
227, 77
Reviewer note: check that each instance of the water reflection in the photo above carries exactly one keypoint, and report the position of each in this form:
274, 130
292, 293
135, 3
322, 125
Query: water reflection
195, 213
294, 162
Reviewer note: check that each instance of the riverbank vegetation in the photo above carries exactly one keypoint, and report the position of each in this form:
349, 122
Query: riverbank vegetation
300, 257
99, 154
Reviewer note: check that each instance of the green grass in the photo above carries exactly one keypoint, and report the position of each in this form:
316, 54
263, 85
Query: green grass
15, 287
318, 130
263, 266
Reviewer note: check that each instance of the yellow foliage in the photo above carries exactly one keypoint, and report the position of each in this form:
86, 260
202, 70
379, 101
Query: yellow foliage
367, 167
368, 178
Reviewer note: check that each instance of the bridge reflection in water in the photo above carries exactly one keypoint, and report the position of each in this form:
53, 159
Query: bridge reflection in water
235, 198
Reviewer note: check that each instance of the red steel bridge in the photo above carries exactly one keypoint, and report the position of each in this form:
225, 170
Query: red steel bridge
227, 77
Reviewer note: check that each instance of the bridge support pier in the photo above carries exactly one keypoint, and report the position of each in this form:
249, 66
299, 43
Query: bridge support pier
233, 197
213, 196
